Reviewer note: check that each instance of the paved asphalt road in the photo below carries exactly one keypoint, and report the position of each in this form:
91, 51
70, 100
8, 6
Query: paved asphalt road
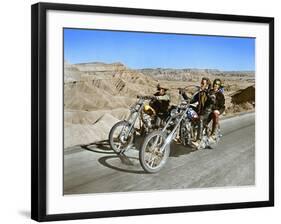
95, 168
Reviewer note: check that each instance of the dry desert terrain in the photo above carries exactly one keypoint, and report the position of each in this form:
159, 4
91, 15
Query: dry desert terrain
97, 95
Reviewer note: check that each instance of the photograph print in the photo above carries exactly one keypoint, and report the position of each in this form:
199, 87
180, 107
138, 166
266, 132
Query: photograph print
150, 111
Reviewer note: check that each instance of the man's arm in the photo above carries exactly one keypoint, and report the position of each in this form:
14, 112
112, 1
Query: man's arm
165, 97
195, 98
184, 95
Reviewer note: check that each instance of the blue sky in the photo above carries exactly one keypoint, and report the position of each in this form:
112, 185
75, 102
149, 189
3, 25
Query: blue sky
153, 50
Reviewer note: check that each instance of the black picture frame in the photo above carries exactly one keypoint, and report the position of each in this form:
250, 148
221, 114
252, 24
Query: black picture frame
39, 110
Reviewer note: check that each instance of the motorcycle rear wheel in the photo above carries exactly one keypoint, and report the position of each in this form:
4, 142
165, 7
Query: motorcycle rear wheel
151, 158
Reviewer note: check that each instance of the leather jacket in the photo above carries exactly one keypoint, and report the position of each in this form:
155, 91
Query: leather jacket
208, 101
161, 103
218, 101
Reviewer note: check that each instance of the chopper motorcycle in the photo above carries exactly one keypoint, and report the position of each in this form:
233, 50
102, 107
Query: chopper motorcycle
182, 123
142, 120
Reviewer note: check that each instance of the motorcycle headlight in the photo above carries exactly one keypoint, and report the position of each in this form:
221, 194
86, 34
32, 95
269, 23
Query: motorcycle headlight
173, 112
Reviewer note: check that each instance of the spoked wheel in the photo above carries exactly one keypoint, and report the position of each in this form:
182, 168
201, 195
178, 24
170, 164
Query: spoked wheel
152, 156
120, 139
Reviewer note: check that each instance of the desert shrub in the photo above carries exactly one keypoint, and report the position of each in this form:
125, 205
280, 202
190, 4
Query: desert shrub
247, 106
237, 108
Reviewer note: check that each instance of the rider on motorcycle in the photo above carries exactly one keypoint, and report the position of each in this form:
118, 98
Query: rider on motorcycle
208, 107
213, 105
201, 96
204, 107
218, 106
159, 104
162, 100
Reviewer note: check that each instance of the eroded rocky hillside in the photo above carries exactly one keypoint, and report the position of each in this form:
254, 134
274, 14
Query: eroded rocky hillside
97, 95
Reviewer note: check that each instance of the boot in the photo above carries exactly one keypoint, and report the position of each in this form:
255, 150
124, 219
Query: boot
200, 130
197, 143
213, 135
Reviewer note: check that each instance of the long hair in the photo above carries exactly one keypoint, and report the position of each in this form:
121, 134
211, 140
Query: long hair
217, 80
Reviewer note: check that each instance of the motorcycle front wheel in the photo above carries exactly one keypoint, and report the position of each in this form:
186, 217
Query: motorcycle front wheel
152, 159
118, 140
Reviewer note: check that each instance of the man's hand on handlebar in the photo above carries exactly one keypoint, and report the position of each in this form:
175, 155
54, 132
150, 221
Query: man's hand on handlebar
146, 97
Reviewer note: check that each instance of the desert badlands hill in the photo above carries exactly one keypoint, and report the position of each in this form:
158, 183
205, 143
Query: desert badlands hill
97, 95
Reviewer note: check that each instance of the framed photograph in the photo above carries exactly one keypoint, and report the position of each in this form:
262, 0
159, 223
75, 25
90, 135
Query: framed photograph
140, 111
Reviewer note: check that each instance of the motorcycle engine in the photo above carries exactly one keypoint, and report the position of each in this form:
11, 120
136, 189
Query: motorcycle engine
185, 133
147, 120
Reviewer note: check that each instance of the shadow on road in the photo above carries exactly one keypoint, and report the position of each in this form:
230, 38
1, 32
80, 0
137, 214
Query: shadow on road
176, 149
99, 147
122, 162
129, 161
179, 149
125, 164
